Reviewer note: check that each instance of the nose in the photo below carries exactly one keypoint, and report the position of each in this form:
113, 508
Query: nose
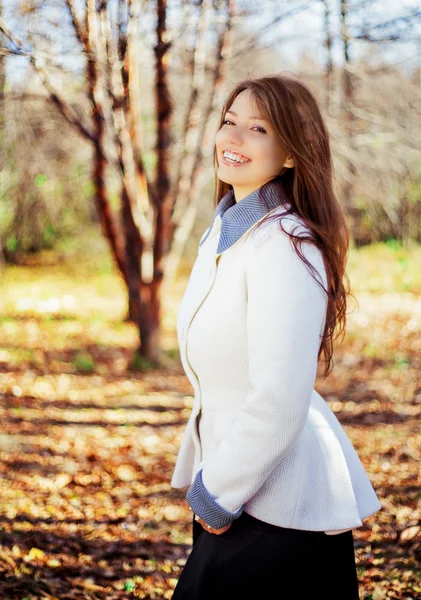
234, 136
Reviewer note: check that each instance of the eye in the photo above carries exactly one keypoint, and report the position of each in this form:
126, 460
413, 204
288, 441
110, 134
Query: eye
260, 129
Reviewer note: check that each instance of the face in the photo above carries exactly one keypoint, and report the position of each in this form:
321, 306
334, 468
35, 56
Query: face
252, 140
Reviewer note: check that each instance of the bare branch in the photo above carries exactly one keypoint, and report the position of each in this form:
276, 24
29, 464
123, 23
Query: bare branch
249, 46
80, 29
63, 106
7, 32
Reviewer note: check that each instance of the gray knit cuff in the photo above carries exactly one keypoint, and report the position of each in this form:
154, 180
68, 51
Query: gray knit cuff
203, 504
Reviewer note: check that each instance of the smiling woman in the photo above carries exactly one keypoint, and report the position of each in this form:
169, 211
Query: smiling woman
275, 485
242, 142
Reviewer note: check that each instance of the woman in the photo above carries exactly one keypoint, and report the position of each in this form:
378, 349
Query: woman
275, 485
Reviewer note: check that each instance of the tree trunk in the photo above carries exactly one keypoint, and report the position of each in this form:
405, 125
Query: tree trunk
109, 229
348, 118
162, 206
2, 119
328, 45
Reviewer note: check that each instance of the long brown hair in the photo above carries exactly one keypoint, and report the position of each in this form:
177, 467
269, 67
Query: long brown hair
290, 107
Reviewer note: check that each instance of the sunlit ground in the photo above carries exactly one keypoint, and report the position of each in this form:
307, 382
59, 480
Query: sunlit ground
88, 447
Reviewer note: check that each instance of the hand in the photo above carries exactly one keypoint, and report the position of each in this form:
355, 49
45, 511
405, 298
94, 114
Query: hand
212, 530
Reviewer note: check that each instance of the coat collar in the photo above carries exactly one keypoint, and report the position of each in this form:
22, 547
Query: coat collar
239, 217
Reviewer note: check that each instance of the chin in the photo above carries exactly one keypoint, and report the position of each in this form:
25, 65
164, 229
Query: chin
224, 178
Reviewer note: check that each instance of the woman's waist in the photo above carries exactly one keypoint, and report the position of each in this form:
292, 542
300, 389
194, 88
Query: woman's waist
217, 407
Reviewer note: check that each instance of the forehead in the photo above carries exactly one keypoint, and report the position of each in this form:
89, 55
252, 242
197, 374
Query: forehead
246, 104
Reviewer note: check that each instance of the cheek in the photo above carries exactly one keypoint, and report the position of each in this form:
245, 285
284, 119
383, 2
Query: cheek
275, 155
219, 139
280, 153
266, 151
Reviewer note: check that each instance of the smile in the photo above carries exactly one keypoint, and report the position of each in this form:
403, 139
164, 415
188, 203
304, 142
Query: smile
233, 159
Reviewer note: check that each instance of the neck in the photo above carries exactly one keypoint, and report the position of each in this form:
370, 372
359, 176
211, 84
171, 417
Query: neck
240, 192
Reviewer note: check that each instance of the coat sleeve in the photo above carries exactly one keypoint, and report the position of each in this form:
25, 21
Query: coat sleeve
286, 311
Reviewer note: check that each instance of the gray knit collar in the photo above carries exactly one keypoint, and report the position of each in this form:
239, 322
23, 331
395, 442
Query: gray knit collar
239, 217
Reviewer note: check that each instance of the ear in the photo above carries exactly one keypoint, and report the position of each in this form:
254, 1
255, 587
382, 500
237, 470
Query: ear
289, 162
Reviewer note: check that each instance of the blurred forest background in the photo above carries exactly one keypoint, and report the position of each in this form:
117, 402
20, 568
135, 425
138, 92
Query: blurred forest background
108, 112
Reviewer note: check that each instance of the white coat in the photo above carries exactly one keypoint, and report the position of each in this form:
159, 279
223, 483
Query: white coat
260, 438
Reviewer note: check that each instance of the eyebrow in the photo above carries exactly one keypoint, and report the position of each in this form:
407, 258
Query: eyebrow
252, 117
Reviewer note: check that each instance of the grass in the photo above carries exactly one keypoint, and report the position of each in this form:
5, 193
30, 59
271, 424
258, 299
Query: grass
385, 268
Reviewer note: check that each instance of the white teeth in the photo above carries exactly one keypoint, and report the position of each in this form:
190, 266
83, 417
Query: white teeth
235, 157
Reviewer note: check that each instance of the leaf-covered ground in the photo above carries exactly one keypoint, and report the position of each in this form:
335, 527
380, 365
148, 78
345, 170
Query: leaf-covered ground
88, 447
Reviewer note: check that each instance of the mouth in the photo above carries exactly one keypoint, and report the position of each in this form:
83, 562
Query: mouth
234, 159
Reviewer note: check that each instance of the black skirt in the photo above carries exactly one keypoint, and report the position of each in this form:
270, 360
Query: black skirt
255, 560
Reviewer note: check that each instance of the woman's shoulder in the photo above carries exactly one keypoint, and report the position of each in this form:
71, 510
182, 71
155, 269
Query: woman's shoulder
274, 228
270, 240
